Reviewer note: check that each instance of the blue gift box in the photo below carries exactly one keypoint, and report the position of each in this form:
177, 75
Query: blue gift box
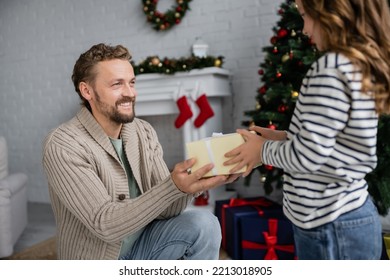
267, 238
230, 212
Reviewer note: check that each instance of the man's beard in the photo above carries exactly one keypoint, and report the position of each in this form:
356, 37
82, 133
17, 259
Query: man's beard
113, 113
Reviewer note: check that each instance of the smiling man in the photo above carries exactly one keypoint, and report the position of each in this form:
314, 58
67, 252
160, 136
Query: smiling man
111, 192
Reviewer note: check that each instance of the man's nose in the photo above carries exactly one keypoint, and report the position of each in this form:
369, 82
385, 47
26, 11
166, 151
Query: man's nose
130, 91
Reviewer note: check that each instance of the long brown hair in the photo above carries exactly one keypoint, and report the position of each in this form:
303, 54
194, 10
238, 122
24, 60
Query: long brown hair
359, 29
83, 70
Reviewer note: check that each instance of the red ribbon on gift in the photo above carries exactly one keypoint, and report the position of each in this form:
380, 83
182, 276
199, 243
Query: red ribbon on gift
236, 202
271, 241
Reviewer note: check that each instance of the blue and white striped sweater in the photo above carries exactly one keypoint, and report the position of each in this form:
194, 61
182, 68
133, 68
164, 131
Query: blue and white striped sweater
331, 144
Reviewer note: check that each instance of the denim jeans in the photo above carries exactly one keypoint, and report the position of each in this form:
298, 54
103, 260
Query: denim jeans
354, 235
193, 235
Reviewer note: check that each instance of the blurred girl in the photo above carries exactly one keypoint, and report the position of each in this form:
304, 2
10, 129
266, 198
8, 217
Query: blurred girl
331, 142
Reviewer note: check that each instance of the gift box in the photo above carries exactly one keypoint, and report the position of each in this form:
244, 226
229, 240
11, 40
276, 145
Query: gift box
213, 150
267, 238
230, 213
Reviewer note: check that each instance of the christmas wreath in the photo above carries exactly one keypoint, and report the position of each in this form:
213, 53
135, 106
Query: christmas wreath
164, 21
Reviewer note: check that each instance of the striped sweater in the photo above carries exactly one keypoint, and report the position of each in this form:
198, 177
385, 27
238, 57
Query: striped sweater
330, 146
89, 189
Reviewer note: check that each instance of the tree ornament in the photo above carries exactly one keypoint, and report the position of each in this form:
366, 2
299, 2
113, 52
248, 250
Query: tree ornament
285, 57
278, 75
291, 54
274, 40
263, 90
282, 108
263, 179
275, 50
293, 33
258, 106
268, 167
261, 72
282, 33
271, 126
164, 21
294, 94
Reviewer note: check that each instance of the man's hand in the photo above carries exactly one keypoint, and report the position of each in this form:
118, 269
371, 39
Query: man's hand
193, 182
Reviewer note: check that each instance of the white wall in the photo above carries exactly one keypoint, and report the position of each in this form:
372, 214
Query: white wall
40, 40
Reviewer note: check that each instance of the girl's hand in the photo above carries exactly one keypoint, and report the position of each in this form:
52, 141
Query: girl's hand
247, 154
270, 134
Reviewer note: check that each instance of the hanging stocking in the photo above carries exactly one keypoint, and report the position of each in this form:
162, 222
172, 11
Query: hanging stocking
185, 112
206, 111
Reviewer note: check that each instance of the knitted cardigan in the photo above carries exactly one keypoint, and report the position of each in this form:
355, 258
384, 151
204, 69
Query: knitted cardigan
89, 189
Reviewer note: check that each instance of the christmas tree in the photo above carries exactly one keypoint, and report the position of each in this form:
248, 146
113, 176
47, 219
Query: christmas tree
287, 60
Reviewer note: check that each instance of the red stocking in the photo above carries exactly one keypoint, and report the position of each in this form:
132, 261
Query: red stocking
185, 111
206, 111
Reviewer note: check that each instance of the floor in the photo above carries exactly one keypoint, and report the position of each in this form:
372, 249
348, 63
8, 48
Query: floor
41, 226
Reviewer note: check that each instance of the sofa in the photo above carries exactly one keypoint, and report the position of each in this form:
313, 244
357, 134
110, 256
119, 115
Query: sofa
13, 204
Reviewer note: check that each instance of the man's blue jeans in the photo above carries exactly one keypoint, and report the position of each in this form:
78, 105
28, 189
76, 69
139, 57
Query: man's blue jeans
353, 236
193, 235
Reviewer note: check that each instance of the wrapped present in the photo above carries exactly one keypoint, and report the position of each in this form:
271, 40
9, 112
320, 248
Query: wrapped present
230, 212
213, 150
267, 238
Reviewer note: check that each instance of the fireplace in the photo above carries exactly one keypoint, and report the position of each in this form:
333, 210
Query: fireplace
156, 100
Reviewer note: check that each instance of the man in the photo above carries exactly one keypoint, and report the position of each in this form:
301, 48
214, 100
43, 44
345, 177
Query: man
111, 192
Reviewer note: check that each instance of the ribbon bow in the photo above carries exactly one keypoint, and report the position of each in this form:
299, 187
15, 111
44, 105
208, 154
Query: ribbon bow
271, 241
236, 202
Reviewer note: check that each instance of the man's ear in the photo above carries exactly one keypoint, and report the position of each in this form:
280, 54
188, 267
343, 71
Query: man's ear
85, 90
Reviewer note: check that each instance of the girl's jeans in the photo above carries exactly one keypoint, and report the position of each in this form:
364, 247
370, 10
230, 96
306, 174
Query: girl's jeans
193, 235
353, 236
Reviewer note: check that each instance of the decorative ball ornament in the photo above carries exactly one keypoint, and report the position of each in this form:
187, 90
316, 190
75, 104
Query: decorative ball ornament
275, 50
291, 54
268, 167
282, 108
155, 61
274, 40
263, 90
164, 21
293, 33
258, 106
282, 33
294, 94
271, 126
278, 75
285, 57
263, 179
217, 62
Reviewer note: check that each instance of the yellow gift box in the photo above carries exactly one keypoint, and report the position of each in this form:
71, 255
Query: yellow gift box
213, 150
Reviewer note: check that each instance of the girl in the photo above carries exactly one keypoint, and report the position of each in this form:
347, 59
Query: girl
331, 142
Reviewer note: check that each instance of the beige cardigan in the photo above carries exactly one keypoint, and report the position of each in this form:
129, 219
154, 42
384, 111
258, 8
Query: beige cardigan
89, 191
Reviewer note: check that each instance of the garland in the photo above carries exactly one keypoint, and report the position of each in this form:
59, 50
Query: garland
153, 64
164, 21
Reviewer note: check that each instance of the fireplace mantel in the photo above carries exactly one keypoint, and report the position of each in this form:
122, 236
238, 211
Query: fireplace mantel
157, 93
